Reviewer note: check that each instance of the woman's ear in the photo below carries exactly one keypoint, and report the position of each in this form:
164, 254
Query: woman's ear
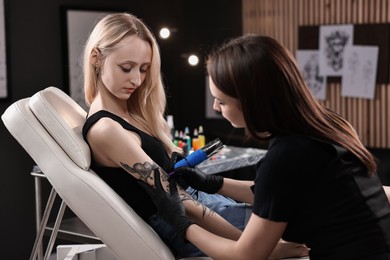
94, 57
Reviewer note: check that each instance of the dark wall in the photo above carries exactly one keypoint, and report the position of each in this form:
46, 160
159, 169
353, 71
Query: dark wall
35, 61
201, 27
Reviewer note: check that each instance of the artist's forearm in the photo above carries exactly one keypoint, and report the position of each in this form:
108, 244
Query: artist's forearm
220, 248
237, 190
210, 220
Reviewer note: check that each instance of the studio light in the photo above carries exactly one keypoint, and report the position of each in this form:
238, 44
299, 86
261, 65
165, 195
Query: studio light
165, 33
193, 60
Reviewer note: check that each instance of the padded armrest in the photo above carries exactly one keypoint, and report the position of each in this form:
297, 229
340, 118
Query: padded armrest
63, 118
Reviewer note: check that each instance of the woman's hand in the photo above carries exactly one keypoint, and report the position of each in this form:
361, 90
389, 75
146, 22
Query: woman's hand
286, 249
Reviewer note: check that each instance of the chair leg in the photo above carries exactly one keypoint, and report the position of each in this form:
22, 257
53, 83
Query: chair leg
55, 230
45, 218
38, 209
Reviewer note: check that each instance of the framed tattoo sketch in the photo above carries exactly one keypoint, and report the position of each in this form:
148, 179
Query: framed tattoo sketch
308, 61
3, 56
78, 24
334, 39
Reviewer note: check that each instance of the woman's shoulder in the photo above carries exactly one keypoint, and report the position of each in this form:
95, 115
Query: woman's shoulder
108, 132
300, 147
106, 120
105, 126
293, 141
102, 114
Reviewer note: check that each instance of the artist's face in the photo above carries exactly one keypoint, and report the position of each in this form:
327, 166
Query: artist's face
229, 107
125, 68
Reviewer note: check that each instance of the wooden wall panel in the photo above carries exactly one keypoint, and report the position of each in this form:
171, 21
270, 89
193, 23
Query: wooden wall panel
280, 19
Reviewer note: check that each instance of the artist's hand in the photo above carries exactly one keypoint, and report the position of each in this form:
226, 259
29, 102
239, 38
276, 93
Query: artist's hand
286, 249
168, 204
175, 157
199, 180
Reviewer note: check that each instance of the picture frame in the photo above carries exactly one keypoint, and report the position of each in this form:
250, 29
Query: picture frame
4, 82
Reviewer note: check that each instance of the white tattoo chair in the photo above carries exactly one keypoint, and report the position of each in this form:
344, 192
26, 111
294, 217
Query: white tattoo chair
48, 126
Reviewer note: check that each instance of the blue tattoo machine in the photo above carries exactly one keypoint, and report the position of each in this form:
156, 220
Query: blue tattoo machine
200, 155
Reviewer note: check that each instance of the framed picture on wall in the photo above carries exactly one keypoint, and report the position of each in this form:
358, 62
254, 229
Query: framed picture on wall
78, 24
3, 55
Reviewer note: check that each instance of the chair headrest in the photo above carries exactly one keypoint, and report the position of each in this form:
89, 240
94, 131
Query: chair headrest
63, 118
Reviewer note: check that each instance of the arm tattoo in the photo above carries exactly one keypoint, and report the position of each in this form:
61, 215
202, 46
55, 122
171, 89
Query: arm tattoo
205, 210
144, 170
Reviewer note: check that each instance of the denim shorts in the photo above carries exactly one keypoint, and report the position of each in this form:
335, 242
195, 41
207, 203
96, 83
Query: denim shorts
235, 213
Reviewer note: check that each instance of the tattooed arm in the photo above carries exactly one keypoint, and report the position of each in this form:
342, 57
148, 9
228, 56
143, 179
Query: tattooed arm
201, 214
113, 146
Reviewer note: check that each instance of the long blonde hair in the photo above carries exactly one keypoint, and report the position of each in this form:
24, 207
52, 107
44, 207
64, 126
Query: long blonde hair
148, 103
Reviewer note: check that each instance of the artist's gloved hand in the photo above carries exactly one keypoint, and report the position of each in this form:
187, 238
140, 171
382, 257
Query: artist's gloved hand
175, 157
168, 204
199, 180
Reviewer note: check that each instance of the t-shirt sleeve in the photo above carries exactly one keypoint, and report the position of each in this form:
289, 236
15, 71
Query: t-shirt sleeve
284, 176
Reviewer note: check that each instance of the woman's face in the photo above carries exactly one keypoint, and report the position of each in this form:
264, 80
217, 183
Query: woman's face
125, 68
229, 107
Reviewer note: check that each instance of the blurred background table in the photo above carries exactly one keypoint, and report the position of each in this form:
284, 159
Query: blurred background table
231, 158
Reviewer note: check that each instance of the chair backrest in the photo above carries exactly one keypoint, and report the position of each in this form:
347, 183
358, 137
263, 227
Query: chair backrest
48, 126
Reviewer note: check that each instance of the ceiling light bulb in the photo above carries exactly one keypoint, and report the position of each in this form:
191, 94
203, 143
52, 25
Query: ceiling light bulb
165, 33
193, 60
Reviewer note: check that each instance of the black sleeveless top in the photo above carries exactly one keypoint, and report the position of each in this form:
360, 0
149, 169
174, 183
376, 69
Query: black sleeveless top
121, 181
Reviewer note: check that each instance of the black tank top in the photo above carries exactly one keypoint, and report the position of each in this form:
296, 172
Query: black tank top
121, 181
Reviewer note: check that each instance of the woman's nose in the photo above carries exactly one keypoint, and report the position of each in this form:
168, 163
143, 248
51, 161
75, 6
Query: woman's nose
216, 106
135, 78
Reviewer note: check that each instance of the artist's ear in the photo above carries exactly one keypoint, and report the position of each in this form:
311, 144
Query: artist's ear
94, 57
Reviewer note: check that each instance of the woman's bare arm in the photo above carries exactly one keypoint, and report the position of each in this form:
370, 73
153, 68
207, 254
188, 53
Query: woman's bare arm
113, 146
238, 190
256, 242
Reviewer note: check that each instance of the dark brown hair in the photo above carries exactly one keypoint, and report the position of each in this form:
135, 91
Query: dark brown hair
264, 77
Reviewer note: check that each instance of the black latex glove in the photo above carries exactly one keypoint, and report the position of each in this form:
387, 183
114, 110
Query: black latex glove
199, 180
168, 204
175, 157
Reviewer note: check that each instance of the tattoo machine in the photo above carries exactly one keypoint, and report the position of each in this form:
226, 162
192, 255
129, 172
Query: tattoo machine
201, 154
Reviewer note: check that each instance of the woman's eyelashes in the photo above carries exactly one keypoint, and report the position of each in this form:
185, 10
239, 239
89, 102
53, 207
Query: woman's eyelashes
125, 69
144, 69
219, 102
128, 69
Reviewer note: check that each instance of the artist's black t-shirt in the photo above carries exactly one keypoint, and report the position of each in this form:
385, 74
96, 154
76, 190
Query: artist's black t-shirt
121, 181
326, 196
